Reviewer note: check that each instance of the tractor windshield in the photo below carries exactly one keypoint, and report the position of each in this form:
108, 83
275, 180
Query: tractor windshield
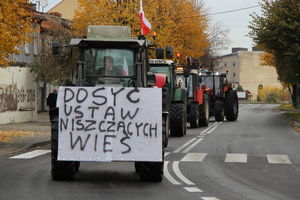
161, 69
109, 65
187, 83
208, 82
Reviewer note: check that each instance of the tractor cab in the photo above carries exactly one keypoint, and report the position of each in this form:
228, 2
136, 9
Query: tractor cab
110, 56
215, 82
176, 106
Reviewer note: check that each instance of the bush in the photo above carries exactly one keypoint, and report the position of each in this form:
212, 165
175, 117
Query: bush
270, 94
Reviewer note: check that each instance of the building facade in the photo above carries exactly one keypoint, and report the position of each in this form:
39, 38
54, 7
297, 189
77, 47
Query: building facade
66, 8
244, 68
21, 96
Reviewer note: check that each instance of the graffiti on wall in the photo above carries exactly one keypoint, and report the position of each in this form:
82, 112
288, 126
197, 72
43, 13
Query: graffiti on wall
11, 97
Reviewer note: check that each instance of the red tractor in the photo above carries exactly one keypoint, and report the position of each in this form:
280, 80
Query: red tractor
198, 108
223, 99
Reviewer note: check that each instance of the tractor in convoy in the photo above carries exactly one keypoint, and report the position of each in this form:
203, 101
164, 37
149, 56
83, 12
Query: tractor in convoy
177, 96
197, 106
223, 99
209, 94
112, 72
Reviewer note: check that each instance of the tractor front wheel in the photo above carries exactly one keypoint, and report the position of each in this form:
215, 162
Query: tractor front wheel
219, 110
231, 105
178, 119
194, 115
204, 113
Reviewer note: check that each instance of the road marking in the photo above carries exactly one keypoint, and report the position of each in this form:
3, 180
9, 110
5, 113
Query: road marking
236, 158
192, 145
194, 157
192, 189
180, 175
168, 175
167, 153
184, 145
209, 198
31, 154
278, 159
205, 130
211, 130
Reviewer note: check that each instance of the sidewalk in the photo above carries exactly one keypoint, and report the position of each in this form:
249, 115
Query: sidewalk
20, 136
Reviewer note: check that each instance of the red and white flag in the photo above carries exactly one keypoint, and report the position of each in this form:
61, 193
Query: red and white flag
146, 26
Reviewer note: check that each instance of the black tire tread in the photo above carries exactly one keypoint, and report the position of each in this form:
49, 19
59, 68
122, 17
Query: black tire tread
60, 170
203, 120
230, 101
219, 110
151, 171
177, 120
194, 115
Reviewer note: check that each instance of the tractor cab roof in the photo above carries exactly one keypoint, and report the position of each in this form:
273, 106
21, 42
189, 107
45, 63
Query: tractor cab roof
109, 37
209, 73
160, 62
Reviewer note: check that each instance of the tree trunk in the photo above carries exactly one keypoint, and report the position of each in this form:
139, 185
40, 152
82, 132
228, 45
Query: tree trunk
296, 96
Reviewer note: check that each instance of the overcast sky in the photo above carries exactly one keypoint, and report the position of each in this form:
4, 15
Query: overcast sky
236, 22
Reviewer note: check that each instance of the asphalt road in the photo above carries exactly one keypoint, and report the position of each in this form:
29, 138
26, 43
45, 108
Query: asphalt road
254, 158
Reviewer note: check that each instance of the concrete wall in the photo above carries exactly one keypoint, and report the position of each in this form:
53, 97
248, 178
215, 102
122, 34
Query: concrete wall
244, 68
18, 102
66, 8
252, 73
231, 64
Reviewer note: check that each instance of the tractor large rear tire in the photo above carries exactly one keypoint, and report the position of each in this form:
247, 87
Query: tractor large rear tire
150, 171
194, 115
219, 110
204, 113
166, 130
231, 105
178, 119
60, 170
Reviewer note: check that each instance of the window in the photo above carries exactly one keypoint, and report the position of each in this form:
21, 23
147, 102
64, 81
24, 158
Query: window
161, 69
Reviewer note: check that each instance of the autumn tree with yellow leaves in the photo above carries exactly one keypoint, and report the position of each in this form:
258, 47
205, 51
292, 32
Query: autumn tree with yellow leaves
16, 24
178, 23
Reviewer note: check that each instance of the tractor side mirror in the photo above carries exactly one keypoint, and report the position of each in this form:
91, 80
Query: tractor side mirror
169, 52
186, 72
160, 53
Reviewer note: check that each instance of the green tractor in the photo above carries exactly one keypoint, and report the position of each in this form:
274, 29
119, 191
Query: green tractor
102, 45
198, 104
176, 95
224, 100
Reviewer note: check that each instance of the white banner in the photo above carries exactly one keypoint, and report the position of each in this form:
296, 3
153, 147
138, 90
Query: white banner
241, 95
110, 124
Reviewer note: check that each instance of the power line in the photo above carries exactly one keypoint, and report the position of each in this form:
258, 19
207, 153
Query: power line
223, 12
230, 11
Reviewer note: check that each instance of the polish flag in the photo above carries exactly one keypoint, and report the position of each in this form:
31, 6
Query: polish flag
146, 26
